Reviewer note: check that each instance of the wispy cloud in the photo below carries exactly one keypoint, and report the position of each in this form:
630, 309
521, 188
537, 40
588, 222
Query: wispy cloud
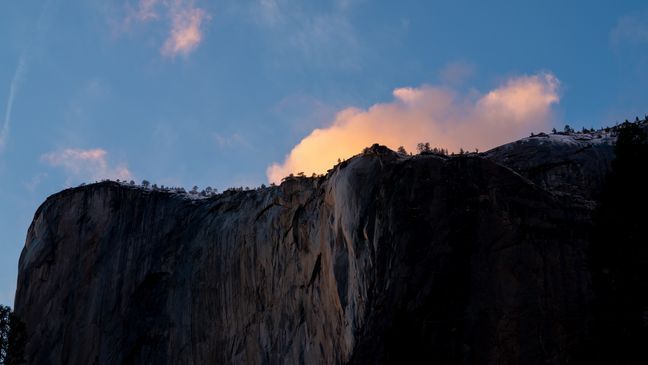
143, 11
186, 23
86, 165
630, 28
147, 10
186, 31
323, 36
13, 88
428, 114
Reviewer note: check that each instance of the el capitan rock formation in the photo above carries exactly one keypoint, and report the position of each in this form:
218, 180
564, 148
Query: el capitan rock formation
464, 259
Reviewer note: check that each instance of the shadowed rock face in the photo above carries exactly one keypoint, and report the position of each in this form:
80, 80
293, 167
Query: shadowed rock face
570, 166
387, 258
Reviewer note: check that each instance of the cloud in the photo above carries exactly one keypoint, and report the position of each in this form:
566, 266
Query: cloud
186, 31
322, 34
428, 114
146, 10
13, 87
630, 28
86, 164
186, 22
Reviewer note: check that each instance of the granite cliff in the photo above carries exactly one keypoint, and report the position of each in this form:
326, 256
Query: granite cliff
478, 258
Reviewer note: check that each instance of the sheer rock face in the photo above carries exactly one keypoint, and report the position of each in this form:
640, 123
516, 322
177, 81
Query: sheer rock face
387, 258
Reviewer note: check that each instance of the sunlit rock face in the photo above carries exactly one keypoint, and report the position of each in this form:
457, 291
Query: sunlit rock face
388, 258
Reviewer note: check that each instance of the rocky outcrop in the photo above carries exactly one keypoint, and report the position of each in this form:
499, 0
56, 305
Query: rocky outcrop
387, 258
572, 166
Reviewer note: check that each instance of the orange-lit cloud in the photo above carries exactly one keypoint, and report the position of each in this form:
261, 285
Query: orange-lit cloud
428, 114
186, 22
186, 33
86, 164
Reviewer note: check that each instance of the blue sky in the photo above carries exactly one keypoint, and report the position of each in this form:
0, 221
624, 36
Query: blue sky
184, 92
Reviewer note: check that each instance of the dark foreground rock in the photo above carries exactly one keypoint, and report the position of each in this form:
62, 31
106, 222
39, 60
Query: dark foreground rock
388, 258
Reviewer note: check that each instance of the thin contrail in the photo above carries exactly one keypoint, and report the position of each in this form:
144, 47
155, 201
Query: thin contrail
15, 81
18, 74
